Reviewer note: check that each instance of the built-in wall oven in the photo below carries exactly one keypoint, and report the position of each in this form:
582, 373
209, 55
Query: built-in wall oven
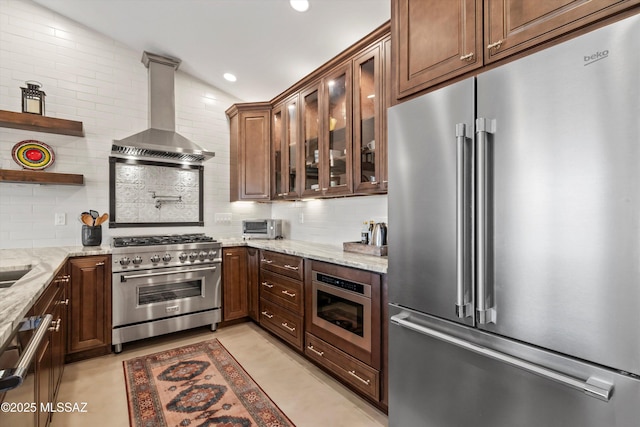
345, 310
164, 284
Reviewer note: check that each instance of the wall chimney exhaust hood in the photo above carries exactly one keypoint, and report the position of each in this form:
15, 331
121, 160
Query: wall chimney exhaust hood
161, 141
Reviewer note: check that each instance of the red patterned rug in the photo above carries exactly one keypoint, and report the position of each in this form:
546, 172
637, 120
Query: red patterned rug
196, 385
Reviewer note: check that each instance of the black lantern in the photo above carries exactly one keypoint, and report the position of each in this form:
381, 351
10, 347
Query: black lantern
33, 98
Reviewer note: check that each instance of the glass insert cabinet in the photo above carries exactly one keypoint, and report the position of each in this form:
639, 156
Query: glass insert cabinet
328, 131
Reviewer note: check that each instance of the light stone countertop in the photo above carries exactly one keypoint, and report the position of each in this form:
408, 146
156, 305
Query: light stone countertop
44, 263
316, 251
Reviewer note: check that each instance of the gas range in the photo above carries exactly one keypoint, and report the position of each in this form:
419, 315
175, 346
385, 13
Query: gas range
158, 251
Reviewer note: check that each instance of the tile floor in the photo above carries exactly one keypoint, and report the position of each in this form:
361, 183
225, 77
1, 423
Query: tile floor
308, 396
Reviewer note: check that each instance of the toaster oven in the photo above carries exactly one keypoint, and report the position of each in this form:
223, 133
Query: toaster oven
262, 229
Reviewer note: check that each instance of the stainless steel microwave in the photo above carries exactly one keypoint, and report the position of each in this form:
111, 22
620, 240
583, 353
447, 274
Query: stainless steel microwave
262, 229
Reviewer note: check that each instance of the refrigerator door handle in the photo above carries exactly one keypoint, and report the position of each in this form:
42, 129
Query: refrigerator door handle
485, 309
592, 386
464, 303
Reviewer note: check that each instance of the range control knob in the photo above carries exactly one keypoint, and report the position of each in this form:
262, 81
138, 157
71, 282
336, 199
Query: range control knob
202, 255
155, 259
166, 258
182, 257
137, 260
212, 254
125, 261
193, 256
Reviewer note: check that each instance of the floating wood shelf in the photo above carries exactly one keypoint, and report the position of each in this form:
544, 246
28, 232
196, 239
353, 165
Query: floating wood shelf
35, 122
40, 177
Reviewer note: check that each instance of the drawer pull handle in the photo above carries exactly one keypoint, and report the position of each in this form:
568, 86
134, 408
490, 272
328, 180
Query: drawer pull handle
266, 261
267, 284
267, 314
63, 302
98, 264
495, 45
356, 376
468, 57
289, 294
55, 325
319, 353
286, 325
291, 267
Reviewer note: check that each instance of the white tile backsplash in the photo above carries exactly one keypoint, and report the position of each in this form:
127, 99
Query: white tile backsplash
92, 78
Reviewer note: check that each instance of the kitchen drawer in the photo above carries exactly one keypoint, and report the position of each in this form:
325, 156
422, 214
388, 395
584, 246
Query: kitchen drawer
282, 291
363, 377
287, 265
282, 322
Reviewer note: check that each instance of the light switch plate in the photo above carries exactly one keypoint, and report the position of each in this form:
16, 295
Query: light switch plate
222, 217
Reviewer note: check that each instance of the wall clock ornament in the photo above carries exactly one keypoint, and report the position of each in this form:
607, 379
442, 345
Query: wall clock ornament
32, 154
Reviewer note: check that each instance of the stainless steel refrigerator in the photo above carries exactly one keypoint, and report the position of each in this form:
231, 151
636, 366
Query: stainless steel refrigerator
514, 268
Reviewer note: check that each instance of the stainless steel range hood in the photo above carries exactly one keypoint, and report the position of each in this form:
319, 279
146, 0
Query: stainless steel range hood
160, 141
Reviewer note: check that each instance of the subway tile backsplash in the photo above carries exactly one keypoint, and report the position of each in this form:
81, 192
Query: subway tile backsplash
92, 78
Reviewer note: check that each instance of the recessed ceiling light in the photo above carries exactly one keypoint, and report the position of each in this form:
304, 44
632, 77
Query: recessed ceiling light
299, 5
230, 77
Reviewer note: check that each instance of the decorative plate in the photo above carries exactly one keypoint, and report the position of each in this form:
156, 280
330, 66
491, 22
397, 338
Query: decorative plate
32, 154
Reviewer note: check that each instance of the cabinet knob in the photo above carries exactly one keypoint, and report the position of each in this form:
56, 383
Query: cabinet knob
468, 57
495, 45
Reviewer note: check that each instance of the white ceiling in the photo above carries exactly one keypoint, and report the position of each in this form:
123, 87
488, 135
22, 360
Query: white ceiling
265, 43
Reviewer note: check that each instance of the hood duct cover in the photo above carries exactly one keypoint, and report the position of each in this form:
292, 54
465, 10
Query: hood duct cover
161, 140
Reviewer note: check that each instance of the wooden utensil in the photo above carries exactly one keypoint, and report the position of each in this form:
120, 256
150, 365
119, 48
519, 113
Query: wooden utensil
102, 218
87, 219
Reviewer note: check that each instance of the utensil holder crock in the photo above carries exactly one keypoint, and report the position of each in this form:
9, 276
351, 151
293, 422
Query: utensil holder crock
91, 236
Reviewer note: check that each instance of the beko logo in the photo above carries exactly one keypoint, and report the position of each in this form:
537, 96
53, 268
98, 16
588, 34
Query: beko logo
590, 59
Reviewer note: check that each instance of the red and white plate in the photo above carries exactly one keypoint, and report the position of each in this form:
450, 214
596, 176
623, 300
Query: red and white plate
32, 154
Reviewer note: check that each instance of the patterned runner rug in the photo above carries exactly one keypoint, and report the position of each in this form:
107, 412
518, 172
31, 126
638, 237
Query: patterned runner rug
196, 385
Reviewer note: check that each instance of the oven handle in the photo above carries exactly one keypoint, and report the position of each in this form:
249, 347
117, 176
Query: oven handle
165, 273
18, 375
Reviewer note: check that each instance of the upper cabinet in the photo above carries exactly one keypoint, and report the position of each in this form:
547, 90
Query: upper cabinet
327, 133
369, 125
250, 151
514, 25
285, 180
435, 41
326, 128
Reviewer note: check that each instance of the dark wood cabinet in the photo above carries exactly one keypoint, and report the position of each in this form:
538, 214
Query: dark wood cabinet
312, 126
434, 41
250, 151
49, 359
369, 120
282, 296
515, 25
253, 279
235, 290
90, 307
285, 155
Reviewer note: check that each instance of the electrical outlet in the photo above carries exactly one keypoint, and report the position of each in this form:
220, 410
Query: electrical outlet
60, 219
301, 218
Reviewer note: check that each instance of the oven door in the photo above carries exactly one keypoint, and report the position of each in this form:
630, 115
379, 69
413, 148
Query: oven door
140, 296
342, 313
